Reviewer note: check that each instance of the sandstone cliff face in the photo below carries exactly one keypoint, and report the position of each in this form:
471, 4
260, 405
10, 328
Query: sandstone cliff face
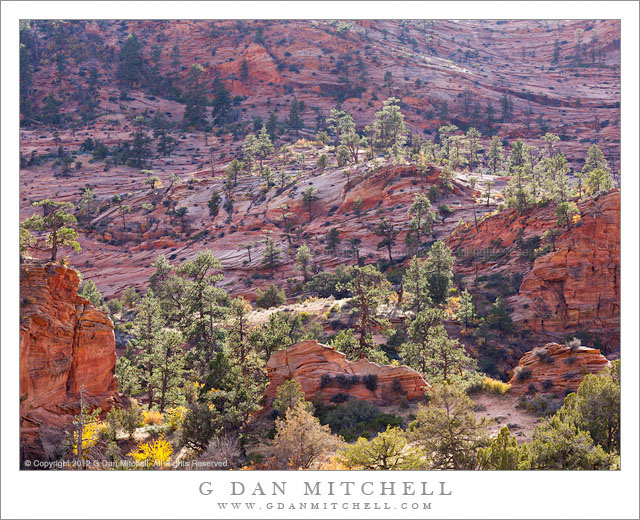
575, 287
65, 345
556, 369
308, 361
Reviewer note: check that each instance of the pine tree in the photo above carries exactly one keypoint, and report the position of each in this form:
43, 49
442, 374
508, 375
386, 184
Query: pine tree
195, 99
439, 266
57, 223
467, 312
168, 362
415, 285
387, 231
370, 289
422, 219
294, 121
131, 69
309, 196
271, 254
390, 129
303, 261
147, 328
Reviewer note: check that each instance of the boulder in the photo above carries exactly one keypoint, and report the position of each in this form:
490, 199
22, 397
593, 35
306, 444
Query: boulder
316, 366
66, 346
556, 369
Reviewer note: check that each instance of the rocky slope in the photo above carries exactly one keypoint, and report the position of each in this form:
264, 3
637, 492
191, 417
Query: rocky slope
555, 369
571, 286
66, 347
459, 64
316, 367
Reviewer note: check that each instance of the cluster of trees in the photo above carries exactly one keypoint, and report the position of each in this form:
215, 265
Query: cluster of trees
446, 434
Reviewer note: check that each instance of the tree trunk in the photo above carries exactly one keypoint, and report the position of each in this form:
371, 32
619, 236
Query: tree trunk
54, 243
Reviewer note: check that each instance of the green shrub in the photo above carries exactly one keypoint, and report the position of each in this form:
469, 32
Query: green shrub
370, 382
522, 373
355, 418
270, 297
198, 427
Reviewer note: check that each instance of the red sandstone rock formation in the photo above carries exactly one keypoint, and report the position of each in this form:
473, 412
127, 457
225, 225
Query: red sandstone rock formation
556, 369
574, 287
65, 345
577, 286
308, 361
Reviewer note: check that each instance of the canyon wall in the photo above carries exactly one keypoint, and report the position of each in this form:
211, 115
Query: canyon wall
66, 346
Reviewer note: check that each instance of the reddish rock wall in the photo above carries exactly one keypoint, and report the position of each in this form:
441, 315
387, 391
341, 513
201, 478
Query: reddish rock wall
65, 345
577, 286
557, 368
308, 361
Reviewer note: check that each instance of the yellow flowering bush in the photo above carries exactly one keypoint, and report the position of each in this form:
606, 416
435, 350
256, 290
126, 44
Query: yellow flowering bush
152, 417
175, 416
90, 435
153, 454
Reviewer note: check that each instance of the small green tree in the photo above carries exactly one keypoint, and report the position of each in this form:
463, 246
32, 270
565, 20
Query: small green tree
370, 289
168, 360
439, 266
309, 196
389, 450
303, 261
422, 219
415, 284
234, 169
564, 212
447, 430
288, 395
467, 311
561, 445
333, 240
214, 203
598, 181
89, 290
271, 255
56, 222
502, 453
387, 231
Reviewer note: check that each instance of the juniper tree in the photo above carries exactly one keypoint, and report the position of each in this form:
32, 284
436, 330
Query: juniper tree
448, 430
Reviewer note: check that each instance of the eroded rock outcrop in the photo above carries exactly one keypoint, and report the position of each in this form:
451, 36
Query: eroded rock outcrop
556, 369
66, 345
572, 288
316, 367
577, 286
